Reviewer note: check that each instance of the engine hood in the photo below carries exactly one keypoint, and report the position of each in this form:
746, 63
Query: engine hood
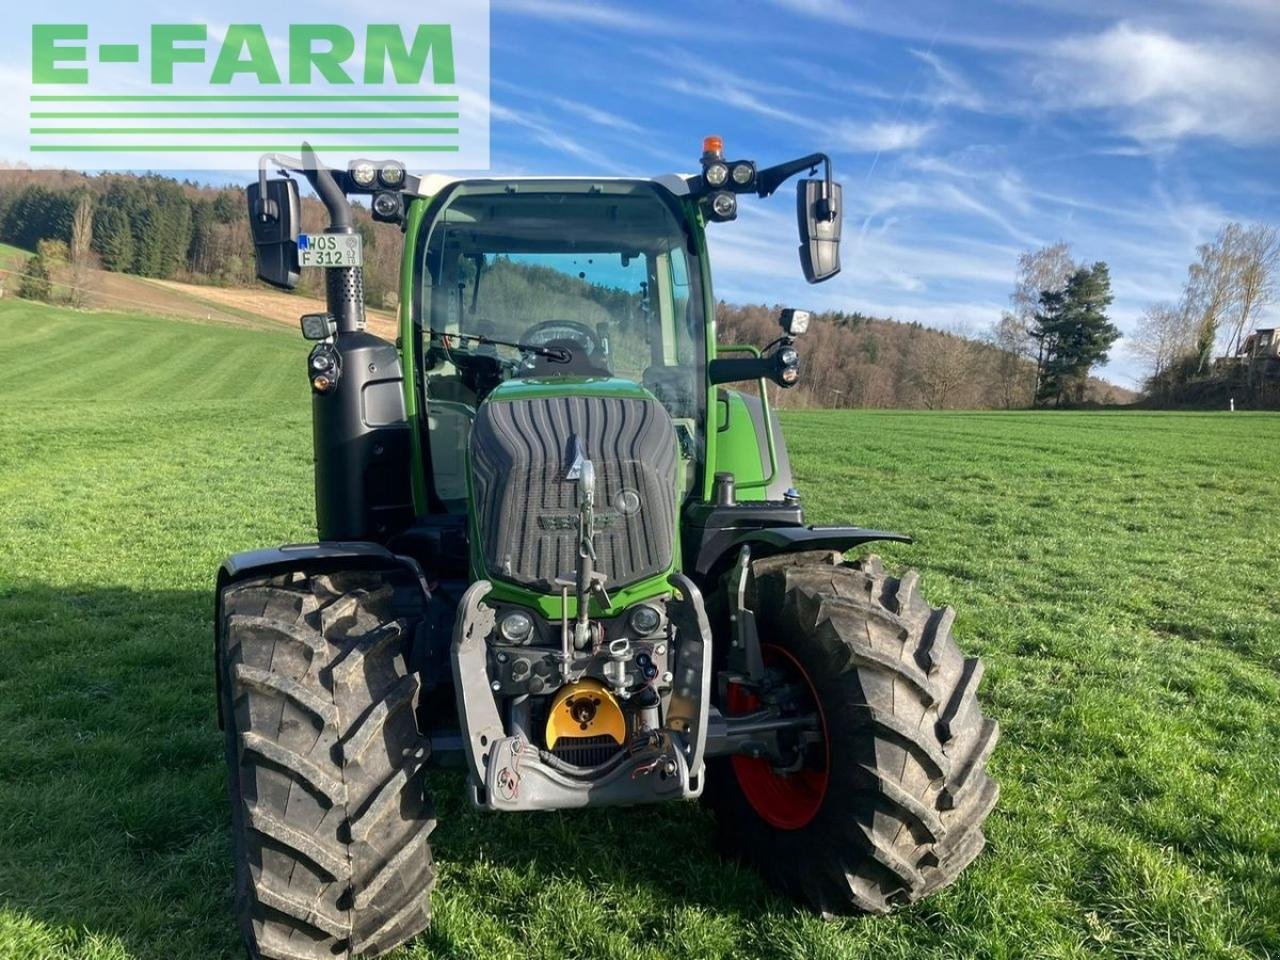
531, 388
524, 443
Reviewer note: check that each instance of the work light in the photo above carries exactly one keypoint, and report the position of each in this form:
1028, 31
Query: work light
724, 205
516, 627
364, 173
645, 619
391, 174
715, 174
794, 322
387, 206
743, 173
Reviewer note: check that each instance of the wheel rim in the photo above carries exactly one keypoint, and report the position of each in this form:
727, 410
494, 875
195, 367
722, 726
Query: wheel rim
788, 801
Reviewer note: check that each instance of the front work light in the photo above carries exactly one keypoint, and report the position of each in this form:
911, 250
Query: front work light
388, 206
317, 326
364, 173
391, 174
715, 174
724, 205
794, 322
645, 619
744, 172
516, 627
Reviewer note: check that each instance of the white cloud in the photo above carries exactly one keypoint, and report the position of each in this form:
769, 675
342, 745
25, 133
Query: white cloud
834, 11
773, 102
592, 14
950, 88
549, 136
726, 88
601, 118
878, 136
1163, 88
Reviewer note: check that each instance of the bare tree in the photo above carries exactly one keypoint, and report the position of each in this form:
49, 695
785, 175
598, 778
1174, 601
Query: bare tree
79, 255
1011, 368
1211, 289
1162, 338
81, 227
941, 369
1257, 264
1048, 268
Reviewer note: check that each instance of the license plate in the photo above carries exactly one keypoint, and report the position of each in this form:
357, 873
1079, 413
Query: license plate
330, 250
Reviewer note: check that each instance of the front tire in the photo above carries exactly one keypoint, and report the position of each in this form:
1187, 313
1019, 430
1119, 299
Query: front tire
330, 815
889, 805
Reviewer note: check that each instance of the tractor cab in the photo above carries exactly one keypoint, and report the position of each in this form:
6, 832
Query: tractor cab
576, 285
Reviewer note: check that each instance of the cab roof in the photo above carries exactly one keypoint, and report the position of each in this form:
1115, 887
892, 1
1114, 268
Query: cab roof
431, 184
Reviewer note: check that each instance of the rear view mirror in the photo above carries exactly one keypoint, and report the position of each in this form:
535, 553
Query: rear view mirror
274, 214
818, 217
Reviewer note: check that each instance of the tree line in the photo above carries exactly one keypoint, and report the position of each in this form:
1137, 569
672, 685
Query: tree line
849, 359
1042, 351
155, 226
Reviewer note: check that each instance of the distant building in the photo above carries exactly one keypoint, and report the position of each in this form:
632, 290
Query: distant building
1261, 353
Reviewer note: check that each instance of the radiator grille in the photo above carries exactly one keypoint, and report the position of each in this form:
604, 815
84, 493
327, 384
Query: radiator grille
585, 751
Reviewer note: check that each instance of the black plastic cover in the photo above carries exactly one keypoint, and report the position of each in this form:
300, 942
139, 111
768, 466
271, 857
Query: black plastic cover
527, 509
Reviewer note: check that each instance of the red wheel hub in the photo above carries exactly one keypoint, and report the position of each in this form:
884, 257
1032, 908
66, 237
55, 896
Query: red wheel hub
787, 801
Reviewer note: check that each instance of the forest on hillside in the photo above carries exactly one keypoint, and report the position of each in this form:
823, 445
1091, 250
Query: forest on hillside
153, 226
853, 360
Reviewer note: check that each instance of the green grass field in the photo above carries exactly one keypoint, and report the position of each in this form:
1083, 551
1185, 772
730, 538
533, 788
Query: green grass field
1118, 572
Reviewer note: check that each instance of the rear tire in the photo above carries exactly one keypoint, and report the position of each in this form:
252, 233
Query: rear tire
330, 815
896, 795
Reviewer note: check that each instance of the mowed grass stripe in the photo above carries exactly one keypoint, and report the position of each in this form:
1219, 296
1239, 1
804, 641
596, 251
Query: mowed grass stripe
241, 370
54, 349
198, 372
106, 370
1116, 571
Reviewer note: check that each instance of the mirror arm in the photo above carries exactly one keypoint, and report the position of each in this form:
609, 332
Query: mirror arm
318, 175
335, 201
770, 179
736, 369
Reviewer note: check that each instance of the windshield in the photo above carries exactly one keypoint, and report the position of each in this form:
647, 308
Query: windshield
593, 282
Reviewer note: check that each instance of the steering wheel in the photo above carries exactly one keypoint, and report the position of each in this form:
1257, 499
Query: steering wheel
542, 334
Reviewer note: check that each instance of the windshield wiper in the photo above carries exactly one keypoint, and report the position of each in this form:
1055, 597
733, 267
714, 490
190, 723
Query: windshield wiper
554, 354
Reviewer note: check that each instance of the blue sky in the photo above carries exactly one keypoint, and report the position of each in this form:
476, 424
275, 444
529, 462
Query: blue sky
963, 133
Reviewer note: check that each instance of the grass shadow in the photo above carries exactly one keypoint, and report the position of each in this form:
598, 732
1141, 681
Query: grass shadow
112, 799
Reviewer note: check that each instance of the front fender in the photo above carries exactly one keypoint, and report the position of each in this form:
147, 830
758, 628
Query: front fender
774, 540
716, 553
311, 558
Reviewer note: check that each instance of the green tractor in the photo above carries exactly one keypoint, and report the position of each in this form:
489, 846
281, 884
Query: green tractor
554, 549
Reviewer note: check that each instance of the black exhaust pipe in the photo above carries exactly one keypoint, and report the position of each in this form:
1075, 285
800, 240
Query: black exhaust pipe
344, 286
359, 430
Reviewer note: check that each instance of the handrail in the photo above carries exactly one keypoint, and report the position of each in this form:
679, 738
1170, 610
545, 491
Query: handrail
768, 419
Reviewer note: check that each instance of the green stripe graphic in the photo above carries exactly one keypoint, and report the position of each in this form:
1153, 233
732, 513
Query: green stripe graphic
118, 53
234, 148
244, 98
234, 115
238, 131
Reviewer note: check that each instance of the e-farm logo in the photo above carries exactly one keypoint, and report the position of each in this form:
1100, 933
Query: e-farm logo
163, 95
